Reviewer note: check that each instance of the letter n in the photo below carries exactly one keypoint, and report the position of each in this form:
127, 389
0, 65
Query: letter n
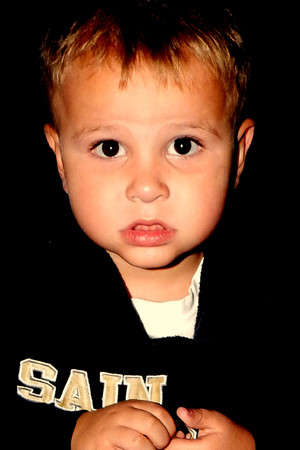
137, 389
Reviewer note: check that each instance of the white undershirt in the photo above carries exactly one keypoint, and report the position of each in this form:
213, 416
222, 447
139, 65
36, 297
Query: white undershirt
172, 318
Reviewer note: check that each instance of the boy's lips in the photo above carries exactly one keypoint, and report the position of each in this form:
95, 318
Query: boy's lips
141, 227
147, 233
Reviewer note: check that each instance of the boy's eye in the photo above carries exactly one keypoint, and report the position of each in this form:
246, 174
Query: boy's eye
109, 149
183, 146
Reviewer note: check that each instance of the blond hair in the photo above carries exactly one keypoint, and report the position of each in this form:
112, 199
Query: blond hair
162, 34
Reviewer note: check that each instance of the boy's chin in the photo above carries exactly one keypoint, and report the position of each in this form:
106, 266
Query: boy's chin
144, 260
150, 259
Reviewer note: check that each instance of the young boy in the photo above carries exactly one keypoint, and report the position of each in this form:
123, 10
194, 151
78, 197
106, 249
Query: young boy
150, 133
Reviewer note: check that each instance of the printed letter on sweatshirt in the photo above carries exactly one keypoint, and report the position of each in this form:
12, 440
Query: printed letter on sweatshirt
76, 394
137, 390
110, 392
45, 390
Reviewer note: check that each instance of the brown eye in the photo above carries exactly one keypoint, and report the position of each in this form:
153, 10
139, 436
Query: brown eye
109, 149
183, 146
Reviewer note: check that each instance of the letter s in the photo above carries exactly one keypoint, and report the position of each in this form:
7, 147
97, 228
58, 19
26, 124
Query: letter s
26, 375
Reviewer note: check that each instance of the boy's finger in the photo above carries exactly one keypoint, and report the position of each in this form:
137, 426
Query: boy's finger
129, 439
159, 413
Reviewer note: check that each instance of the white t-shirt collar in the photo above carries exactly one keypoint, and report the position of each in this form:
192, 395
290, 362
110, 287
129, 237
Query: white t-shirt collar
172, 318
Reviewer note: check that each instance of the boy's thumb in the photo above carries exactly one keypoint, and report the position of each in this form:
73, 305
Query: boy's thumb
193, 418
203, 419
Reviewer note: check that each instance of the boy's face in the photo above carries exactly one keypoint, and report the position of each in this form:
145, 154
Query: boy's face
147, 168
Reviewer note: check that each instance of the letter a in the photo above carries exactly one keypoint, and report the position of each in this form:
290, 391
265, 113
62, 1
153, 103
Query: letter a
76, 394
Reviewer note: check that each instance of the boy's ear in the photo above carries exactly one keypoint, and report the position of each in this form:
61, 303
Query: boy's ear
244, 138
53, 141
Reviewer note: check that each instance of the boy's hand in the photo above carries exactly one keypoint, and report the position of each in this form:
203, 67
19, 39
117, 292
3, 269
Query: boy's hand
216, 432
127, 425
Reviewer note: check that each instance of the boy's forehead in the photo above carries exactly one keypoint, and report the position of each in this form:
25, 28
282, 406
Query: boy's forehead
191, 75
84, 79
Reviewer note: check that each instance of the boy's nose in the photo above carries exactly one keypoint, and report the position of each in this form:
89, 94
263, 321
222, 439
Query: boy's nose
147, 185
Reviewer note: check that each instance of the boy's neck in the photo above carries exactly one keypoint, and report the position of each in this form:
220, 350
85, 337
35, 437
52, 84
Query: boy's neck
159, 285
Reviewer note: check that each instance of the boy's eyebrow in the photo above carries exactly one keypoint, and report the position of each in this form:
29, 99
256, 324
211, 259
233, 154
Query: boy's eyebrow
88, 130
202, 125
